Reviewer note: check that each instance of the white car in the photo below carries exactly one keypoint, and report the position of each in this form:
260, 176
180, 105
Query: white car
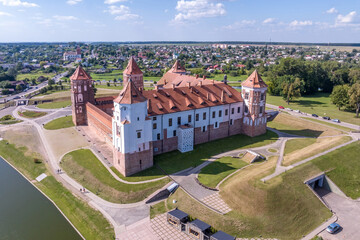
297, 111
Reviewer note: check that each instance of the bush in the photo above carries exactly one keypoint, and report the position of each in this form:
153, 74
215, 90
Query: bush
37, 161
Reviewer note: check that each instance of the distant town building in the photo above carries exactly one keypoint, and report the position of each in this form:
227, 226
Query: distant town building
72, 56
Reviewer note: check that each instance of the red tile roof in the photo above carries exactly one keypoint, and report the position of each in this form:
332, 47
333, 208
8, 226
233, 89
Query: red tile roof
254, 81
130, 94
177, 68
80, 74
181, 80
132, 67
170, 100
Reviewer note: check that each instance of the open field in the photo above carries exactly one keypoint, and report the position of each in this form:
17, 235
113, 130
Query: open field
216, 171
53, 105
300, 149
63, 122
34, 75
329, 124
62, 95
319, 104
283, 208
32, 114
297, 126
83, 166
90, 223
343, 168
175, 161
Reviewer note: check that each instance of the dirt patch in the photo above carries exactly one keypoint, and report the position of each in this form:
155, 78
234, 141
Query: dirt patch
24, 135
321, 144
65, 140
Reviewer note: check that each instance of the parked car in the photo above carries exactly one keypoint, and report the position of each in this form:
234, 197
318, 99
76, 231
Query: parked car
281, 107
326, 118
297, 111
17, 97
289, 109
333, 228
336, 120
314, 115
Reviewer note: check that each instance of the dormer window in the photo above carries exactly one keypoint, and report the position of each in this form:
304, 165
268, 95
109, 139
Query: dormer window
246, 96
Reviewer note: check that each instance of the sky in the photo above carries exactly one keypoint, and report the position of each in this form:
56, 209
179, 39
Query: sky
314, 21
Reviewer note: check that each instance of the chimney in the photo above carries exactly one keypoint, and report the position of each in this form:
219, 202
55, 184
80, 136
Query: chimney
222, 96
197, 76
204, 77
200, 83
213, 82
140, 89
157, 88
173, 86
208, 96
188, 84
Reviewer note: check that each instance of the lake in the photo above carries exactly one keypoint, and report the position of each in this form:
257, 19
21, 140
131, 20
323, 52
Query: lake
26, 214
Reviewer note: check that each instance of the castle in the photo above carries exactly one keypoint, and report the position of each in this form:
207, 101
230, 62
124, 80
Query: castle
180, 112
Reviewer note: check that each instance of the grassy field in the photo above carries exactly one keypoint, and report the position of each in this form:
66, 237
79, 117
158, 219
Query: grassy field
329, 124
90, 223
65, 95
8, 120
34, 75
32, 114
216, 171
175, 161
53, 105
157, 209
63, 122
49, 92
147, 174
343, 168
319, 104
83, 166
118, 87
300, 149
283, 208
293, 125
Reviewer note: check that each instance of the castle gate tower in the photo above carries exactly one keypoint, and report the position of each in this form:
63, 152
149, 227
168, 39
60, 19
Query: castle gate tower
133, 72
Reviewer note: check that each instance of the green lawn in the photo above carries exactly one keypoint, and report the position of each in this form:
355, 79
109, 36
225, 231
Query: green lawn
63, 122
329, 124
216, 171
118, 87
220, 77
175, 161
90, 223
295, 144
157, 209
319, 104
147, 174
83, 166
8, 119
34, 75
343, 168
53, 105
32, 114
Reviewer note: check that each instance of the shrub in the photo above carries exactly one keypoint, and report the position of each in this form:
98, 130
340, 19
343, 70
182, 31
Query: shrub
37, 161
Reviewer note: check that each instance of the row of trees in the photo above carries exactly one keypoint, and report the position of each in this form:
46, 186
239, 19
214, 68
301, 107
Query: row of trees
347, 96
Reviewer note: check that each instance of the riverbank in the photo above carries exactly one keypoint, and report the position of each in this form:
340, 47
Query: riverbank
90, 223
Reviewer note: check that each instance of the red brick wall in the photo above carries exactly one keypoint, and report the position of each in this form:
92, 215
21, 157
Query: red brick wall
129, 163
236, 127
158, 145
221, 132
100, 121
200, 136
169, 144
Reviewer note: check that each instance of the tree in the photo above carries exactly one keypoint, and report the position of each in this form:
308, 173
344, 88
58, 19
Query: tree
291, 87
18, 88
354, 75
354, 94
51, 82
339, 96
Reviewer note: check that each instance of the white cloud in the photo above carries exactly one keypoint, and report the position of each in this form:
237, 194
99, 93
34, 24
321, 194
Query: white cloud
5, 14
332, 10
113, 1
17, 3
196, 9
297, 23
64, 18
269, 20
123, 13
73, 2
347, 19
241, 24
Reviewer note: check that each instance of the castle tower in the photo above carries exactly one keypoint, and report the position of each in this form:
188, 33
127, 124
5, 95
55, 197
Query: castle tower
81, 93
133, 71
177, 68
254, 94
132, 131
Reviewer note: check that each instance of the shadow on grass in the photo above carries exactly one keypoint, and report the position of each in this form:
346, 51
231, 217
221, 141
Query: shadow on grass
308, 103
303, 132
217, 167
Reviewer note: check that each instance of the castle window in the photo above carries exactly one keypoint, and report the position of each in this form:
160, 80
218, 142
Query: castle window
232, 110
138, 119
231, 122
189, 118
154, 118
238, 109
246, 109
220, 113
170, 122
246, 96
138, 134
203, 128
262, 96
85, 87
174, 133
197, 117
261, 110
158, 136
226, 112
154, 126
179, 120
216, 125
213, 114
204, 116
